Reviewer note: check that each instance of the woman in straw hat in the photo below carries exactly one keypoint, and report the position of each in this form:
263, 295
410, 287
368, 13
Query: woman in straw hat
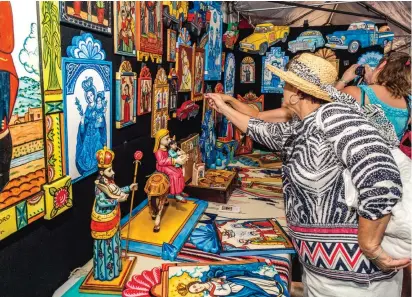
339, 247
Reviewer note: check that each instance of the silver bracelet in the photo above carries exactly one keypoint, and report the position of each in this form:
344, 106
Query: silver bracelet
371, 259
344, 81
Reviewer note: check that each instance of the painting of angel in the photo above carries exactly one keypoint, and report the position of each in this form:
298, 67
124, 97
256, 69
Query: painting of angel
124, 28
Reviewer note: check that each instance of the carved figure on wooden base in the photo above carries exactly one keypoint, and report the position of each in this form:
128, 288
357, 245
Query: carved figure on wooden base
105, 225
157, 188
167, 165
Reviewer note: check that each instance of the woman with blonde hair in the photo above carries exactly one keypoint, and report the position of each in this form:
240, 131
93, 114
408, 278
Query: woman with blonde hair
339, 246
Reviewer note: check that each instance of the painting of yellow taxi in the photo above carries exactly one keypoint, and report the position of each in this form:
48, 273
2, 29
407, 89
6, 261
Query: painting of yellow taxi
264, 36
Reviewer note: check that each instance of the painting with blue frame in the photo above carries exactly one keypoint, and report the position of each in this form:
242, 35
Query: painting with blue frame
87, 93
271, 83
249, 278
230, 74
213, 48
207, 140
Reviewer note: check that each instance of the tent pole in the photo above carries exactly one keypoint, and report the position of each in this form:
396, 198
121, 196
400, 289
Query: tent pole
289, 6
300, 17
330, 10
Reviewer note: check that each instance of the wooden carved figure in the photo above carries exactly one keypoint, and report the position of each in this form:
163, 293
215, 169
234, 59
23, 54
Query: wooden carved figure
160, 102
126, 87
149, 30
145, 91
105, 225
170, 166
157, 188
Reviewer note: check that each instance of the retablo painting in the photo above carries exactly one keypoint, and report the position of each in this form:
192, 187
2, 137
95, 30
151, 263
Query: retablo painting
230, 74
124, 28
190, 146
126, 93
234, 278
247, 71
160, 109
144, 104
87, 81
245, 142
22, 153
184, 68
172, 77
171, 45
198, 72
271, 83
149, 30
91, 15
213, 48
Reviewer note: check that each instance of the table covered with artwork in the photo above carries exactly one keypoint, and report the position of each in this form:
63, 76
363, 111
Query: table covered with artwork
258, 209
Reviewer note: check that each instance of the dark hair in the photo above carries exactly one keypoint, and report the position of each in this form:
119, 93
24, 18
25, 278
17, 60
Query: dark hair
396, 74
172, 142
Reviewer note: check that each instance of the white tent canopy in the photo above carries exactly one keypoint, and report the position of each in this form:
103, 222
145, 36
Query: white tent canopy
397, 14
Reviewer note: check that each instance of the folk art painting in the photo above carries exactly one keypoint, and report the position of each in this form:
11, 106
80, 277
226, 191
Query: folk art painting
245, 142
207, 140
172, 78
160, 108
271, 83
190, 146
232, 278
175, 13
124, 28
91, 15
183, 38
22, 162
149, 31
87, 86
184, 68
247, 71
230, 74
213, 48
198, 72
370, 58
126, 94
144, 104
171, 45
252, 237
223, 61
31, 129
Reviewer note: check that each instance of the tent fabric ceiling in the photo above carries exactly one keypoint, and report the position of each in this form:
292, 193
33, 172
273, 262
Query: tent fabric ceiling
284, 13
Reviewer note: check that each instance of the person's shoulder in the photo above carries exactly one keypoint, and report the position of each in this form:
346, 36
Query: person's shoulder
334, 109
354, 91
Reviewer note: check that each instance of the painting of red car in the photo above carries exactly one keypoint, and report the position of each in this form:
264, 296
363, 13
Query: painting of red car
187, 110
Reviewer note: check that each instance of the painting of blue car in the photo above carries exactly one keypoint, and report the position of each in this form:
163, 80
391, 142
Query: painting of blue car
308, 40
359, 35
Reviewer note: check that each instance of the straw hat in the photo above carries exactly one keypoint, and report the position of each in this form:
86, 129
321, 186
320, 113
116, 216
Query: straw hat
308, 73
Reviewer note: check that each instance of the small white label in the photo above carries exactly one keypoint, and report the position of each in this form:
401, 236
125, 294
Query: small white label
229, 208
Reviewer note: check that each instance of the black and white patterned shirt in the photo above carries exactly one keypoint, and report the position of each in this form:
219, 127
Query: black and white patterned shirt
323, 227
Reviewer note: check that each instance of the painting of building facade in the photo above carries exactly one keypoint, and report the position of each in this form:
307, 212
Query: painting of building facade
87, 80
91, 15
213, 48
149, 31
271, 83
160, 109
126, 94
124, 23
22, 162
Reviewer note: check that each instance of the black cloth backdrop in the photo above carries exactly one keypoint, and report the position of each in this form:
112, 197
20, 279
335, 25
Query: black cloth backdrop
36, 260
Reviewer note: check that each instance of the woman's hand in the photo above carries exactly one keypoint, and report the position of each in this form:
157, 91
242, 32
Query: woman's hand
349, 74
386, 263
215, 101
